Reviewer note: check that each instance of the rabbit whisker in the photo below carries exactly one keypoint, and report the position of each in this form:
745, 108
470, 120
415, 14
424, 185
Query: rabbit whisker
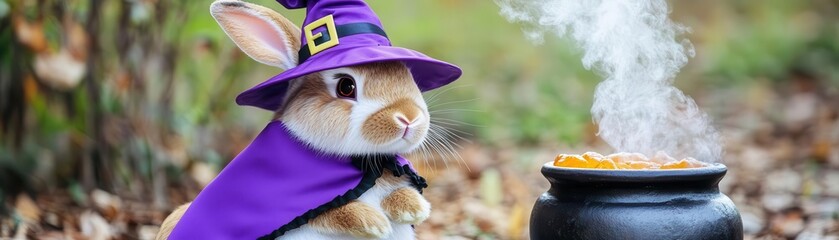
425, 155
455, 110
449, 138
451, 102
452, 122
437, 94
444, 146
448, 133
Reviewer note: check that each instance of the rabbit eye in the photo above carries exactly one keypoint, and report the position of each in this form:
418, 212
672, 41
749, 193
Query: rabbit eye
346, 87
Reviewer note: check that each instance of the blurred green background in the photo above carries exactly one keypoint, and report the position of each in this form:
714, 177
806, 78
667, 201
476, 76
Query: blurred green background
134, 98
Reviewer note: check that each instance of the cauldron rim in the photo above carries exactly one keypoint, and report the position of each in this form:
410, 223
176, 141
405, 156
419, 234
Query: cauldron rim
711, 174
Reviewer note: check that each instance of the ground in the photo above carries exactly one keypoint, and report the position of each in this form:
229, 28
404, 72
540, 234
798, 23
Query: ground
781, 153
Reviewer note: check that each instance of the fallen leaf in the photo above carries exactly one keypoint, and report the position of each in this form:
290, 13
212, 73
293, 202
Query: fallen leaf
516, 222
203, 173
800, 111
93, 226
783, 180
491, 192
77, 42
52, 219
20, 234
26, 208
777, 202
147, 231
30, 34
821, 150
829, 180
109, 205
752, 224
788, 224
60, 70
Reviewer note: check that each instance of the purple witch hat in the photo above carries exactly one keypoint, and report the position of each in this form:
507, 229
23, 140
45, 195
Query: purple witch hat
341, 33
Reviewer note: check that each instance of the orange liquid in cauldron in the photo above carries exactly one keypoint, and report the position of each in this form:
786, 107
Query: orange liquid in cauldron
625, 161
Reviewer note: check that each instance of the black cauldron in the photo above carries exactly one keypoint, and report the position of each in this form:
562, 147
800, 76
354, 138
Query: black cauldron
634, 204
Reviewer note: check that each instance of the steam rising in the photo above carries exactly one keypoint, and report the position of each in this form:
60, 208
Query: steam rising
636, 48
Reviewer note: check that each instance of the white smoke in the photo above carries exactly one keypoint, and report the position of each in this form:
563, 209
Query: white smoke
637, 49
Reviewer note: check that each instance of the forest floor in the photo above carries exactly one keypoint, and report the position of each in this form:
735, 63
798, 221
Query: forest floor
782, 154
782, 151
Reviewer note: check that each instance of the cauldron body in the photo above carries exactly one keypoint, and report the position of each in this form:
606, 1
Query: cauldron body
634, 204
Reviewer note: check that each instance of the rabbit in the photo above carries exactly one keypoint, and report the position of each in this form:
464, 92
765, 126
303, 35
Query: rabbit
373, 108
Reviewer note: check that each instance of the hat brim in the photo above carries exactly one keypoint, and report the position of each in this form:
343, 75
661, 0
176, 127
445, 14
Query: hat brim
428, 73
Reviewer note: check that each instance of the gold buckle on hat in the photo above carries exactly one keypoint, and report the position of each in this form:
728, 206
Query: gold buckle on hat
327, 21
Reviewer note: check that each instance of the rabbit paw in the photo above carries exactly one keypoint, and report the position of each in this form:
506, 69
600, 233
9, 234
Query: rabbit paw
406, 205
356, 219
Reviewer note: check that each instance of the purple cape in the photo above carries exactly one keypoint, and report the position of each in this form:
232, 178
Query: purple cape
277, 184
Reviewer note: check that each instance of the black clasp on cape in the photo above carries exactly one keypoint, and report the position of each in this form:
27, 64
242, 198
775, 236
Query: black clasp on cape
375, 165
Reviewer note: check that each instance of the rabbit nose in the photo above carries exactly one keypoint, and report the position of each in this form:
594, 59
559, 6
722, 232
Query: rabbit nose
407, 119
403, 120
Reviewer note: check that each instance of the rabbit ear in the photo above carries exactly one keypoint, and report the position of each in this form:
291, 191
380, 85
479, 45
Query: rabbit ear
263, 34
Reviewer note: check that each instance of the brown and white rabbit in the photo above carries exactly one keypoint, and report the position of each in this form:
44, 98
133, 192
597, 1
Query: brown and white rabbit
366, 109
